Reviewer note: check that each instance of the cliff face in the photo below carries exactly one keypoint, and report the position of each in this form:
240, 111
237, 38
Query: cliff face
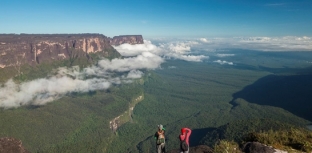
130, 39
34, 49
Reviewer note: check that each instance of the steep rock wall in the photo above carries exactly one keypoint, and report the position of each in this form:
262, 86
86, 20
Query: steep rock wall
130, 39
32, 49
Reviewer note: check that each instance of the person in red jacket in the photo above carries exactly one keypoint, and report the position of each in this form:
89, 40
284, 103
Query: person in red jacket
184, 140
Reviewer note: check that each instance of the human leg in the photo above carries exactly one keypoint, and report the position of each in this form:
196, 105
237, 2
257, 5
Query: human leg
159, 148
163, 148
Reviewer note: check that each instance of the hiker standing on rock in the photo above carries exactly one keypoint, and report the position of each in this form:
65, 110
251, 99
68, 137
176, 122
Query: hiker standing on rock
160, 139
184, 140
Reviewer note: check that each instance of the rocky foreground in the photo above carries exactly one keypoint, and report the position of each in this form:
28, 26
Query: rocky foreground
11, 145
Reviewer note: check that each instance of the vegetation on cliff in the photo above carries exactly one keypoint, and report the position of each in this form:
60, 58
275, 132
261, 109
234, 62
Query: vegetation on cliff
292, 140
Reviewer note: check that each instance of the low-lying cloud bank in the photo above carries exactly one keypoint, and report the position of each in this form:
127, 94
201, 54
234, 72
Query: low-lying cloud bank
223, 62
42, 91
69, 80
134, 50
96, 77
172, 50
288, 43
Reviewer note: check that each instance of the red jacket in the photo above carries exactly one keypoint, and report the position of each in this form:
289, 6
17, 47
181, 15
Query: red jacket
185, 132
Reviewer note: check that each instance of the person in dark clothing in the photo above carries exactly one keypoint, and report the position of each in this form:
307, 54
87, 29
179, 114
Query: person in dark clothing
160, 139
184, 140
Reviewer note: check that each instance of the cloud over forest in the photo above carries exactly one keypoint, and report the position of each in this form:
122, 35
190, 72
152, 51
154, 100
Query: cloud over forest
68, 80
223, 62
96, 77
175, 50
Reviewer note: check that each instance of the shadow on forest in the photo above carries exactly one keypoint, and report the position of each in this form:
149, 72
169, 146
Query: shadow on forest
198, 134
290, 92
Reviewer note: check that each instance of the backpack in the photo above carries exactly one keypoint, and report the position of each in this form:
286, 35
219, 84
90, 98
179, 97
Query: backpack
183, 145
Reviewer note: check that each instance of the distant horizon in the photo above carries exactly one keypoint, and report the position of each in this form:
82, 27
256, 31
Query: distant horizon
186, 43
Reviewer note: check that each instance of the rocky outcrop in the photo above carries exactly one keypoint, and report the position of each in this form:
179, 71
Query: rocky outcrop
11, 145
249, 147
256, 147
130, 39
32, 49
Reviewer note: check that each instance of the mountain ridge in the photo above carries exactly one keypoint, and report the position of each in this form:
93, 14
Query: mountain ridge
32, 49
30, 54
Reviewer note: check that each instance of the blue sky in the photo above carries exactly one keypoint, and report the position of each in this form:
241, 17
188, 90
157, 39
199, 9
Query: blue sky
159, 18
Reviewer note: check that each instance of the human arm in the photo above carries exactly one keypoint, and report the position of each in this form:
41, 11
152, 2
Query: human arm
156, 136
188, 131
187, 134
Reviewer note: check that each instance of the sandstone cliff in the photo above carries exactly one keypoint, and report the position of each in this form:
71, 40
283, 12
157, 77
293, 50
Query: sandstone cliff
130, 39
32, 49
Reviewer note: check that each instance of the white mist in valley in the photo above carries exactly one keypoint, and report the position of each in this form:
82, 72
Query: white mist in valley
96, 77
68, 80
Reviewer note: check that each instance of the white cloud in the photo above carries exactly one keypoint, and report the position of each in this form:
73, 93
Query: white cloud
223, 62
133, 50
190, 58
42, 91
204, 40
134, 74
145, 60
288, 43
179, 47
68, 80
172, 49
181, 50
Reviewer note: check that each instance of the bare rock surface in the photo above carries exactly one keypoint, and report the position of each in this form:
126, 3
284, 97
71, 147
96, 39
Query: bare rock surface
11, 145
129, 39
256, 147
